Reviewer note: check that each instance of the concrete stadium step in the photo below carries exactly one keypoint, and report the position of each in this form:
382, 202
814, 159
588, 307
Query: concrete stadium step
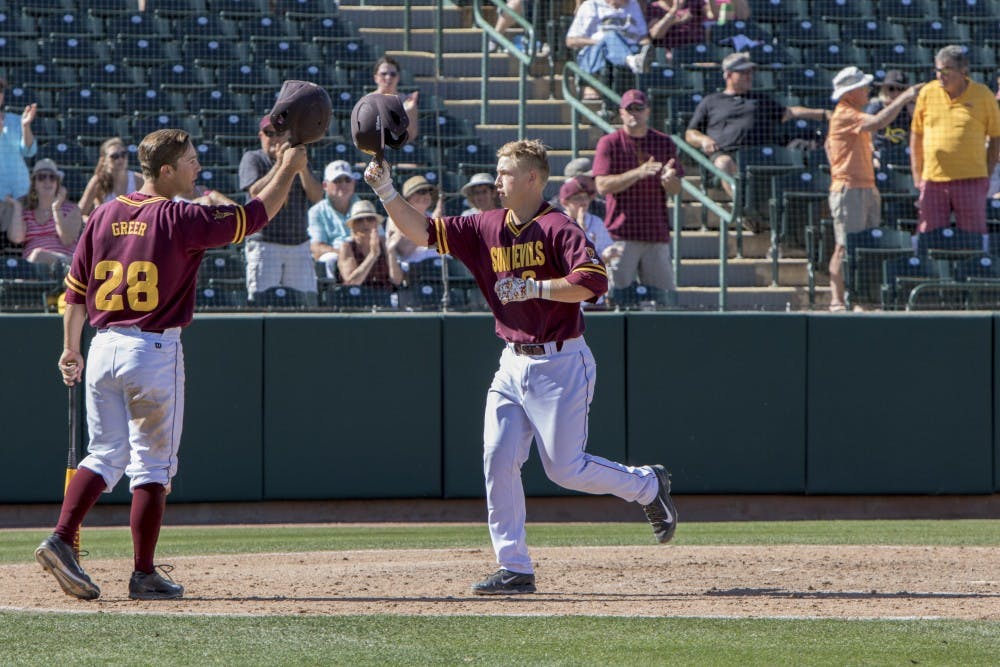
457, 40
554, 136
747, 298
421, 63
391, 16
543, 112
705, 245
467, 88
741, 273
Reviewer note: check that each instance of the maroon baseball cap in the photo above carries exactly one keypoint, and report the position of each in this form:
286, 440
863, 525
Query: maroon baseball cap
633, 96
573, 186
265, 122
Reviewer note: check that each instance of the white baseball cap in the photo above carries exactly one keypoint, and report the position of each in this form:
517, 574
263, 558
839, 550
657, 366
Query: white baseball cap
337, 168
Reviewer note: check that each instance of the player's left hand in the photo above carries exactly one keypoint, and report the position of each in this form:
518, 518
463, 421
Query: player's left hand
516, 289
379, 177
71, 367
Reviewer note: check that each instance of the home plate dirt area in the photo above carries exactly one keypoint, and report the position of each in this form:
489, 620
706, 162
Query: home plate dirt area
705, 581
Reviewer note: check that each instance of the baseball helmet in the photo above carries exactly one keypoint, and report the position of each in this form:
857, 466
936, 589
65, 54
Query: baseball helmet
304, 109
379, 120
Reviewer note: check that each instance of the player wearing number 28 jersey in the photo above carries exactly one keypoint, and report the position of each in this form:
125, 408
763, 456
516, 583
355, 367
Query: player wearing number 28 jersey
133, 276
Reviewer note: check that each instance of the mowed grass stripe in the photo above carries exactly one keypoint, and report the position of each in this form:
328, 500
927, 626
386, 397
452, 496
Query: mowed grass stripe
19, 545
383, 640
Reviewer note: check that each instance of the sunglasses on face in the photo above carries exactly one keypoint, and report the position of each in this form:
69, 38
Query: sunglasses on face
271, 133
424, 191
635, 108
390, 74
120, 155
46, 176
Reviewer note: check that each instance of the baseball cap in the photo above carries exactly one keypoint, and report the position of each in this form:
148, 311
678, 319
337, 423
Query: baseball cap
414, 183
633, 96
265, 122
894, 77
737, 62
337, 168
47, 164
571, 187
848, 79
581, 166
481, 178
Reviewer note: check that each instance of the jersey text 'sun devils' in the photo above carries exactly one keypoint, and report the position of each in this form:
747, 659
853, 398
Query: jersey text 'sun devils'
548, 246
136, 263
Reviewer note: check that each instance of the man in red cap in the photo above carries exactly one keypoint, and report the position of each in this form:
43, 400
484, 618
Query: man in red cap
636, 168
279, 254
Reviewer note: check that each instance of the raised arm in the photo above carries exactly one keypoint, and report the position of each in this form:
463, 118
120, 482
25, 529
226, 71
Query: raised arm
411, 222
275, 192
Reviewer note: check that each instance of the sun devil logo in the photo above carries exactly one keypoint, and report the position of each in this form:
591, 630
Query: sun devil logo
219, 215
590, 252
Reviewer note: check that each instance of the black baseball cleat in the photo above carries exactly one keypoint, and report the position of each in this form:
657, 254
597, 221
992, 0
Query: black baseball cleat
661, 512
505, 582
154, 586
57, 557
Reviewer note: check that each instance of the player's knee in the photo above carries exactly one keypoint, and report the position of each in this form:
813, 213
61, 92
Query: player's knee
566, 475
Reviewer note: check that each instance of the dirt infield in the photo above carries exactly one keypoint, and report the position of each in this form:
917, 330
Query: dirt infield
730, 581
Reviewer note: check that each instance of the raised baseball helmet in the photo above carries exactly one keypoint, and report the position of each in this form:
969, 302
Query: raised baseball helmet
379, 120
304, 109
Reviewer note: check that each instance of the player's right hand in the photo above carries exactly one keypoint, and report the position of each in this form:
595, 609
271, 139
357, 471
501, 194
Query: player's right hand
294, 157
378, 174
71, 367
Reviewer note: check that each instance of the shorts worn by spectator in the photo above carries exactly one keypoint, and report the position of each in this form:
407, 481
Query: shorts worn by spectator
637, 215
280, 254
608, 33
854, 199
44, 220
954, 145
328, 217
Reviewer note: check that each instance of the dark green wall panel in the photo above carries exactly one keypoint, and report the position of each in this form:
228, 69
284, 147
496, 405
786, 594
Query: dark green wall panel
719, 400
352, 407
900, 404
222, 445
33, 426
996, 397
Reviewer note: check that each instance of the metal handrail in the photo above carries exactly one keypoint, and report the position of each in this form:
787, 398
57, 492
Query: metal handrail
578, 107
524, 58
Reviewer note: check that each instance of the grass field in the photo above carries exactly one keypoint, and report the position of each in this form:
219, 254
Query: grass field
97, 638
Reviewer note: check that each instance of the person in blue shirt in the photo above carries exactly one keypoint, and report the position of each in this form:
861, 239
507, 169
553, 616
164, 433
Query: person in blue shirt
17, 143
328, 217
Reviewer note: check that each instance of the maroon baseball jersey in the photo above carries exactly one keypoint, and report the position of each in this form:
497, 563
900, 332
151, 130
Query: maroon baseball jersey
136, 263
639, 212
548, 246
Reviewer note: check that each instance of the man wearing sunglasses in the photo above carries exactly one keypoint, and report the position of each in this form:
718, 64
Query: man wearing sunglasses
17, 143
636, 168
280, 255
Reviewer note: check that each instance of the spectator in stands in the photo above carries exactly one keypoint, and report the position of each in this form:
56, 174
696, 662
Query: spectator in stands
424, 197
481, 193
674, 23
636, 167
854, 200
582, 168
279, 254
954, 145
737, 116
365, 258
896, 133
328, 217
111, 178
505, 22
43, 220
608, 33
575, 197
386, 75
17, 142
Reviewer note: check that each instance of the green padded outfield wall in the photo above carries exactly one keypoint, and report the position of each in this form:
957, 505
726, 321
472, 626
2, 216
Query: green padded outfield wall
471, 357
352, 407
719, 400
901, 403
996, 409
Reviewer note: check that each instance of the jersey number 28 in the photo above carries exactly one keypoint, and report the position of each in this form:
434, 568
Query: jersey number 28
141, 278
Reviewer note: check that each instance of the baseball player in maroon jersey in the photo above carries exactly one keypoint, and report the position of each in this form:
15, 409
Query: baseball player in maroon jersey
535, 266
133, 276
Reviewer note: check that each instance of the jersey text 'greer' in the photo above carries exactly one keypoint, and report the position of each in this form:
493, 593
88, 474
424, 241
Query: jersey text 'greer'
128, 227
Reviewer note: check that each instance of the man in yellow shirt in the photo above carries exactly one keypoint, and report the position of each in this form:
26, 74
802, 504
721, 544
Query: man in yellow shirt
954, 145
854, 200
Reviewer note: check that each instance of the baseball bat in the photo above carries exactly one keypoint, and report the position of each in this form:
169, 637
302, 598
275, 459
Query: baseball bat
71, 454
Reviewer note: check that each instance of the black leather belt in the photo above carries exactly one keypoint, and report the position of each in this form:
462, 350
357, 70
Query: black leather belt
533, 349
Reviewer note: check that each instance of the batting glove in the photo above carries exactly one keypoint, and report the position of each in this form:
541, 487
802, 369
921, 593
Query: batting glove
379, 177
520, 289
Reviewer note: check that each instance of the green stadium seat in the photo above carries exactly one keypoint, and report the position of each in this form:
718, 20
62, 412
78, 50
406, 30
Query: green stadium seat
138, 25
